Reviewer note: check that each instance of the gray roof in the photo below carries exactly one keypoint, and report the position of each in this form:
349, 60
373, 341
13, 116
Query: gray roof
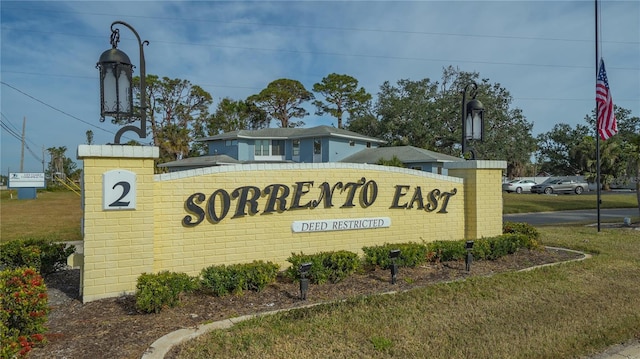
291, 133
406, 154
201, 161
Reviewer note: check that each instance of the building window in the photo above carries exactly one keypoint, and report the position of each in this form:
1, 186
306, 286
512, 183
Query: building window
261, 148
229, 143
296, 147
368, 144
277, 147
317, 146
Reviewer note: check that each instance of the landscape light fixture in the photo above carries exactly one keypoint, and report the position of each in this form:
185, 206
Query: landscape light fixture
116, 84
304, 281
469, 258
472, 119
393, 255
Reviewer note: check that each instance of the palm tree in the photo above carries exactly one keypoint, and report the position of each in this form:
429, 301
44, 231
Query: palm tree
56, 166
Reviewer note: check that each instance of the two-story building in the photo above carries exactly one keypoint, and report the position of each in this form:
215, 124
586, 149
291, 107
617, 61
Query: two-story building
305, 145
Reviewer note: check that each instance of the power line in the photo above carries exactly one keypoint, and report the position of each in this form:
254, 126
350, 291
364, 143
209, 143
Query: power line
9, 122
15, 129
56, 109
10, 131
19, 138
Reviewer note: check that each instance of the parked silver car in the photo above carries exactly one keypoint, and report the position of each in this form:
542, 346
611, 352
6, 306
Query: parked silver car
518, 185
560, 186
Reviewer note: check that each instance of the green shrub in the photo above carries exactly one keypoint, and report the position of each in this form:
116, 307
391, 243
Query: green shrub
259, 274
221, 280
411, 254
317, 273
499, 246
521, 228
503, 245
44, 255
325, 266
445, 251
23, 311
156, 291
340, 264
481, 249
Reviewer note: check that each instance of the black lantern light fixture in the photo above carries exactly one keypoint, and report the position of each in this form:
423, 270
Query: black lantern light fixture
469, 258
116, 84
304, 281
393, 255
472, 119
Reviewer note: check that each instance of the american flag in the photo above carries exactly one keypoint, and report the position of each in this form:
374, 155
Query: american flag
607, 125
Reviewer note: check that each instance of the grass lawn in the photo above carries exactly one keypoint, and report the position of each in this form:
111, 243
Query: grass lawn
528, 203
54, 215
565, 311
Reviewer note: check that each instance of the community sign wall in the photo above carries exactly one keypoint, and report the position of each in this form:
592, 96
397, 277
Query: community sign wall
137, 222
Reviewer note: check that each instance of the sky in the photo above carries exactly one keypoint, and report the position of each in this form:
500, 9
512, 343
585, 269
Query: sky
542, 52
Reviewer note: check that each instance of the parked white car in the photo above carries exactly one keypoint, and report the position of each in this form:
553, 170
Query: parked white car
518, 186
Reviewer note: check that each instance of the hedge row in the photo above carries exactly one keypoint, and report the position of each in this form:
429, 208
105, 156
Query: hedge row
154, 291
44, 255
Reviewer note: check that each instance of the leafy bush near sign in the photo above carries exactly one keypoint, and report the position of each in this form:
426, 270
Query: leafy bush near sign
325, 266
521, 228
43, 255
411, 255
23, 311
156, 291
444, 251
221, 280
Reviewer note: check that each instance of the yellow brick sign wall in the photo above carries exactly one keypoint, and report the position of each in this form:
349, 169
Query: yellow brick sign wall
185, 221
118, 245
268, 235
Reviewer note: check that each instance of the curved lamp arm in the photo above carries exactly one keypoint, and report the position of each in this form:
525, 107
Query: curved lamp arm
142, 130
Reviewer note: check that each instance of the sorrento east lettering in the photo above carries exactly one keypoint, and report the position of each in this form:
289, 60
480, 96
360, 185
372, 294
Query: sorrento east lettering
278, 198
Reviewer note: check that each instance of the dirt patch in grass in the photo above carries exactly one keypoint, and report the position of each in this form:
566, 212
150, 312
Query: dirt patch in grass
112, 328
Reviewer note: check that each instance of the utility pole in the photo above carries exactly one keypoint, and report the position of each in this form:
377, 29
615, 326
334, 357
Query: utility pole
24, 125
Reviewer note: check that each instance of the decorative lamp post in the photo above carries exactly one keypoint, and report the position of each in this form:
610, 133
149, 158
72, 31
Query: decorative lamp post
472, 119
116, 87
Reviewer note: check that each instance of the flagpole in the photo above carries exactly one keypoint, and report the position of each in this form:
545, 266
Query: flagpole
598, 186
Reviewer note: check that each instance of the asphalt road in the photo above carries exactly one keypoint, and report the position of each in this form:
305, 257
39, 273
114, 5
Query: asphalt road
585, 215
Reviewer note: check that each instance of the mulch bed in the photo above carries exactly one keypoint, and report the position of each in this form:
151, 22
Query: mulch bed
112, 328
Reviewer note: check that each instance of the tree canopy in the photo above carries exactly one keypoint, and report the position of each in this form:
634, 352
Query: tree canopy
233, 115
282, 101
341, 94
176, 112
427, 114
